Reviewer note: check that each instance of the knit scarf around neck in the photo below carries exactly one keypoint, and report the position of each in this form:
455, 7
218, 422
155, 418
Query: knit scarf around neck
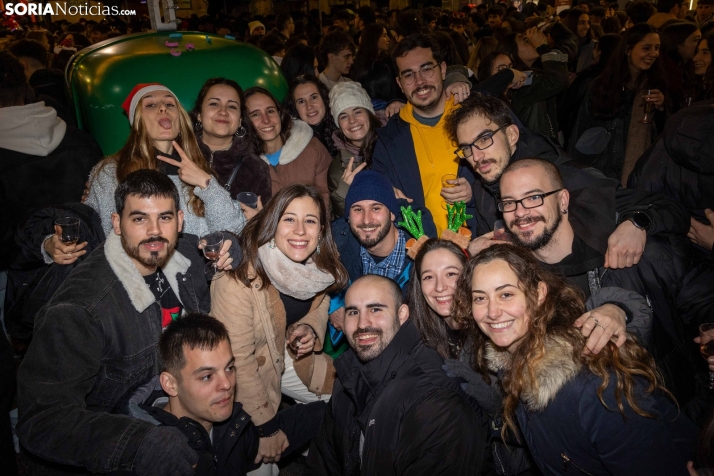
301, 281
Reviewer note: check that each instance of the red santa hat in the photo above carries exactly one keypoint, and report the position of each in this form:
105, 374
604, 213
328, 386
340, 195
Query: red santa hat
139, 91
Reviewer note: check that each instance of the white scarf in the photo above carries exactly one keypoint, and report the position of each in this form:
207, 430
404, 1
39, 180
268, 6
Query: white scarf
301, 281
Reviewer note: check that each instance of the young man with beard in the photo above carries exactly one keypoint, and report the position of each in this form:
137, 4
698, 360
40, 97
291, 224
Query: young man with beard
368, 239
413, 150
393, 410
96, 340
536, 206
489, 140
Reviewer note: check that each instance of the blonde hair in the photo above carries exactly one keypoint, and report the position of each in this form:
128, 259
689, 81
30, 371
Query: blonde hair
138, 153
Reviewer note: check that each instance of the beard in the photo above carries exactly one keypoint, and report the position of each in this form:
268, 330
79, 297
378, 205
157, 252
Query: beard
371, 243
155, 258
365, 353
497, 176
537, 242
430, 106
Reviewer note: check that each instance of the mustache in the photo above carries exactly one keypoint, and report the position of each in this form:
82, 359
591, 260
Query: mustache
154, 239
368, 225
366, 330
423, 87
526, 221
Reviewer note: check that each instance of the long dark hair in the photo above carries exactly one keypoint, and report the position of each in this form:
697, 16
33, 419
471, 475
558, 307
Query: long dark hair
509, 47
607, 89
286, 122
289, 100
262, 227
673, 35
553, 318
571, 21
700, 87
431, 326
368, 51
298, 60
248, 140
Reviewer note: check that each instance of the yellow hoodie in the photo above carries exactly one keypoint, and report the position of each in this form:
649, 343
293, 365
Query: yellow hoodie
435, 156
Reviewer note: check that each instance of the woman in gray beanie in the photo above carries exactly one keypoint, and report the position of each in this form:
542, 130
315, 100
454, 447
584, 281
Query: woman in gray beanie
354, 115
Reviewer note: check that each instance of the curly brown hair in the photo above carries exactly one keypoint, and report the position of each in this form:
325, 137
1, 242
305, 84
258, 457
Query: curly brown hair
553, 318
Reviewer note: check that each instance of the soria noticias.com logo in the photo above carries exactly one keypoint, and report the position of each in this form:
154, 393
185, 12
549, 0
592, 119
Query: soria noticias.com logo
64, 8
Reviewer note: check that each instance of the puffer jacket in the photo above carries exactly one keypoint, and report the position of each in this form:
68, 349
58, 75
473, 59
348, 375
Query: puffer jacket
256, 324
569, 430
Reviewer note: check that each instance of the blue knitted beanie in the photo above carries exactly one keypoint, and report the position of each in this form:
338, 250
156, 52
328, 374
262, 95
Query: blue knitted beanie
371, 185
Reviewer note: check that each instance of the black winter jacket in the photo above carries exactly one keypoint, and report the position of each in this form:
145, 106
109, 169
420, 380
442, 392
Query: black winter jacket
253, 175
591, 193
398, 414
29, 183
94, 342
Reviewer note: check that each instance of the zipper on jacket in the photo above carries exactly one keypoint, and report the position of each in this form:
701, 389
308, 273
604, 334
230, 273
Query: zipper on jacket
567, 461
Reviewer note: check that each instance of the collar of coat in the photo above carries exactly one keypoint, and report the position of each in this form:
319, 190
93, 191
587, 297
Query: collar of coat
299, 138
553, 371
365, 381
139, 293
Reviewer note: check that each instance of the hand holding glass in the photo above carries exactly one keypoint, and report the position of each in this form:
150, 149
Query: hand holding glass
69, 230
706, 346
212, 244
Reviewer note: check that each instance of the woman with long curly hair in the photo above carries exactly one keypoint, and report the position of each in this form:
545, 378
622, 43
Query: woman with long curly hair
578, 412
308, 99
162, 138
613, 111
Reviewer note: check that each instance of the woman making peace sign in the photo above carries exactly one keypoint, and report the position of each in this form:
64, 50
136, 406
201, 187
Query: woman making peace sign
162, 138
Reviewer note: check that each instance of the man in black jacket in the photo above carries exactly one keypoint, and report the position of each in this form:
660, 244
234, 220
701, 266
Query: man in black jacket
96, 339
393, 410
195, 393
536, 208
489, 140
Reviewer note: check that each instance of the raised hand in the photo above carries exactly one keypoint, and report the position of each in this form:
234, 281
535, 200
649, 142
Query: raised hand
188, 171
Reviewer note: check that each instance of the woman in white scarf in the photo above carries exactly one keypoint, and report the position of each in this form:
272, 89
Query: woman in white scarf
275, 305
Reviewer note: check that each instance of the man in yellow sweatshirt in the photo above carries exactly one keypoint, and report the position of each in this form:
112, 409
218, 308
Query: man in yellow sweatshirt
413, 150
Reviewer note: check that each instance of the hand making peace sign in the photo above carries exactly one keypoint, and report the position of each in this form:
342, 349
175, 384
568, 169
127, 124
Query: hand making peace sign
188, 171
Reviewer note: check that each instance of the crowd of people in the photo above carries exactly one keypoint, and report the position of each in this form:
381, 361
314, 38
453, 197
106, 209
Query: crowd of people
471, 242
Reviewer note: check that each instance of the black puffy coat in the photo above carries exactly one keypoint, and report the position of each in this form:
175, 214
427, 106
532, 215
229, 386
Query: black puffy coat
398, 414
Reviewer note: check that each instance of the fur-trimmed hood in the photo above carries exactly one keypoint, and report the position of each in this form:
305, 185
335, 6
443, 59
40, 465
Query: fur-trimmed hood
553, 371
139, 293
300, 136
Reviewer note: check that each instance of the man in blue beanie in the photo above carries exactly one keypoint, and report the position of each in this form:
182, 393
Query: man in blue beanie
368, 238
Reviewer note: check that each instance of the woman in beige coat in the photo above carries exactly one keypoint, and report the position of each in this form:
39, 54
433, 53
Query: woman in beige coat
274, 305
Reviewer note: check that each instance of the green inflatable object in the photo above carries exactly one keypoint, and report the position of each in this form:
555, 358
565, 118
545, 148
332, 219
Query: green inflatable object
101, 77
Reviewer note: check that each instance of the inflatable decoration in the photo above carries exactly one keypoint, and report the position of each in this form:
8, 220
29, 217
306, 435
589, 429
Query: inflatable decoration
101, 76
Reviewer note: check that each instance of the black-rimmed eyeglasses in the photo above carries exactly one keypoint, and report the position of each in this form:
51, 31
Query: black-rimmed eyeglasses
426, 72
531, 201
484, 141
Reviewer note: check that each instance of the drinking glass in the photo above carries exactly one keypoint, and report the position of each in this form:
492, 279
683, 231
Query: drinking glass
706, 346
447, 178
501, 233
69, 230
212, 244
649, 107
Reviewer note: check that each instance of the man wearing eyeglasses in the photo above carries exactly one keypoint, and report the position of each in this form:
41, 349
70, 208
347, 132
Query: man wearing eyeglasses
412, 150
538, 211
489, 141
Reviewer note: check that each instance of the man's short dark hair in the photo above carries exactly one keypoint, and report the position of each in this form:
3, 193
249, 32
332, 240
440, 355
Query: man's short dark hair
413, 42
282, 20
478, 104
334, 42
343, 15
394, 288
271, 44
640, 11
29, 49
193, 330
600, 11
409, 23
14, 90
145, 183
496, 10
556, 180
367, 15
